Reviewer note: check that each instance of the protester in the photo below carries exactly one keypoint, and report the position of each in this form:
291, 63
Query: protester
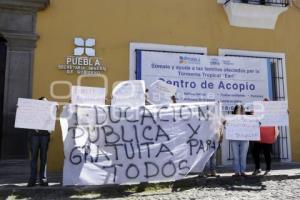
239, 149
268, 136
38, 148
211, 165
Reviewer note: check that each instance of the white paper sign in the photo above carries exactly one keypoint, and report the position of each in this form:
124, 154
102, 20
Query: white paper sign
117, 145
88, 95
129, 93
242, 127
160, 92
272, 113
36, 114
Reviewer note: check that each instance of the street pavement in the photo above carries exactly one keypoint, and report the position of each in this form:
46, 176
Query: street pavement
282, 183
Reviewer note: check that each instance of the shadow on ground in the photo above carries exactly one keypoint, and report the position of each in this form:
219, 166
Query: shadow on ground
56, 191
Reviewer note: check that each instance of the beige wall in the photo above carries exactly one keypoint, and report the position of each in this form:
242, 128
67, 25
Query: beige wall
116, 23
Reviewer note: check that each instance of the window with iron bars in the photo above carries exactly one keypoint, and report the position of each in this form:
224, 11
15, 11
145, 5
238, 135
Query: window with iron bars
280, 148
282, 3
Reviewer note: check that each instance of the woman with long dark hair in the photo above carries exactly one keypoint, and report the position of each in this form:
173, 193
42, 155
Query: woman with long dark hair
239, 148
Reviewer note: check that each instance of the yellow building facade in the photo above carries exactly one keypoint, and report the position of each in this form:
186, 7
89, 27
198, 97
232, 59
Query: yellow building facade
115, 24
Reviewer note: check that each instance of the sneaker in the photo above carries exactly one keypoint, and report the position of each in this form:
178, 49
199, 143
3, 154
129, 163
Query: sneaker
267, 172
31, 183
213, 174
44, 183
202, 175
244, 175
256, 172
236, 175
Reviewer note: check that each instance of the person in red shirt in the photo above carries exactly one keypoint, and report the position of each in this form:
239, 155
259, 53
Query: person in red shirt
268, 136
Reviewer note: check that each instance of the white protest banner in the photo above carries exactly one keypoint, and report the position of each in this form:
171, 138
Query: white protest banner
36, 114
227, 79
123, 145
161, 93
272, 113
242, 127
88, 95
129, 93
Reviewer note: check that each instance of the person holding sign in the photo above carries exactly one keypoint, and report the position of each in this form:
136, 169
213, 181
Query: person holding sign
239, 149
212, 163
38, 148
268, 136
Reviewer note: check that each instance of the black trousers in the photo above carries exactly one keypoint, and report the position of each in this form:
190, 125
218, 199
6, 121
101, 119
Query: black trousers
263, 2
39, 148
267, 150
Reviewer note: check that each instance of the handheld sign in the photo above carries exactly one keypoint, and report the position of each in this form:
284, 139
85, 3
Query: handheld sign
129, 94
36, 114
272, 113
88, 95
161, 92
242, 127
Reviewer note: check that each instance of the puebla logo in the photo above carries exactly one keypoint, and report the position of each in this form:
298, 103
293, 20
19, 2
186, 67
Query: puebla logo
84, 60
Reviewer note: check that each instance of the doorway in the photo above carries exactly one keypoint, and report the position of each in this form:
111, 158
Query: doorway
3, 52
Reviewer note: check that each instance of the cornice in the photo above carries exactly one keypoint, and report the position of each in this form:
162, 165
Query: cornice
25, 5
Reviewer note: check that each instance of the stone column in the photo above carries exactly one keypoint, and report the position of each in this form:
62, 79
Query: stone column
18, 27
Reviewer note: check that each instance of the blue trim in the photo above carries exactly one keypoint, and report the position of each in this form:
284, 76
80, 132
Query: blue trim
270, 79
138, 60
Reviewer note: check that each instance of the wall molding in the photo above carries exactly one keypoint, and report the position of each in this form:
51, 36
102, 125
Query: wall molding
25, 5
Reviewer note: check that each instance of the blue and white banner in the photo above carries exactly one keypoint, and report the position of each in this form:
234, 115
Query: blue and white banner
230, 80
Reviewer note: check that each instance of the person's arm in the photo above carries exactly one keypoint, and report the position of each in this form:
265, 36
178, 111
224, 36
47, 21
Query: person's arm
221, 134
221, 130
276, 132
173, 98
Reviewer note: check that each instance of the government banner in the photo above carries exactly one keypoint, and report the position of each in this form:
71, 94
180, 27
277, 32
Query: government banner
230, 80
126, 145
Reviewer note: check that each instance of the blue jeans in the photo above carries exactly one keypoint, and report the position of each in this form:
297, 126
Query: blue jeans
39, 147
239, 149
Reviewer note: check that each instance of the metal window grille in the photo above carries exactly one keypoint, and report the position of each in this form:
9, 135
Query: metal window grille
280, 148
281, 3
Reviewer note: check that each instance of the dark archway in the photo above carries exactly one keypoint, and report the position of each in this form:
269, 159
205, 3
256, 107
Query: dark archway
3, 53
